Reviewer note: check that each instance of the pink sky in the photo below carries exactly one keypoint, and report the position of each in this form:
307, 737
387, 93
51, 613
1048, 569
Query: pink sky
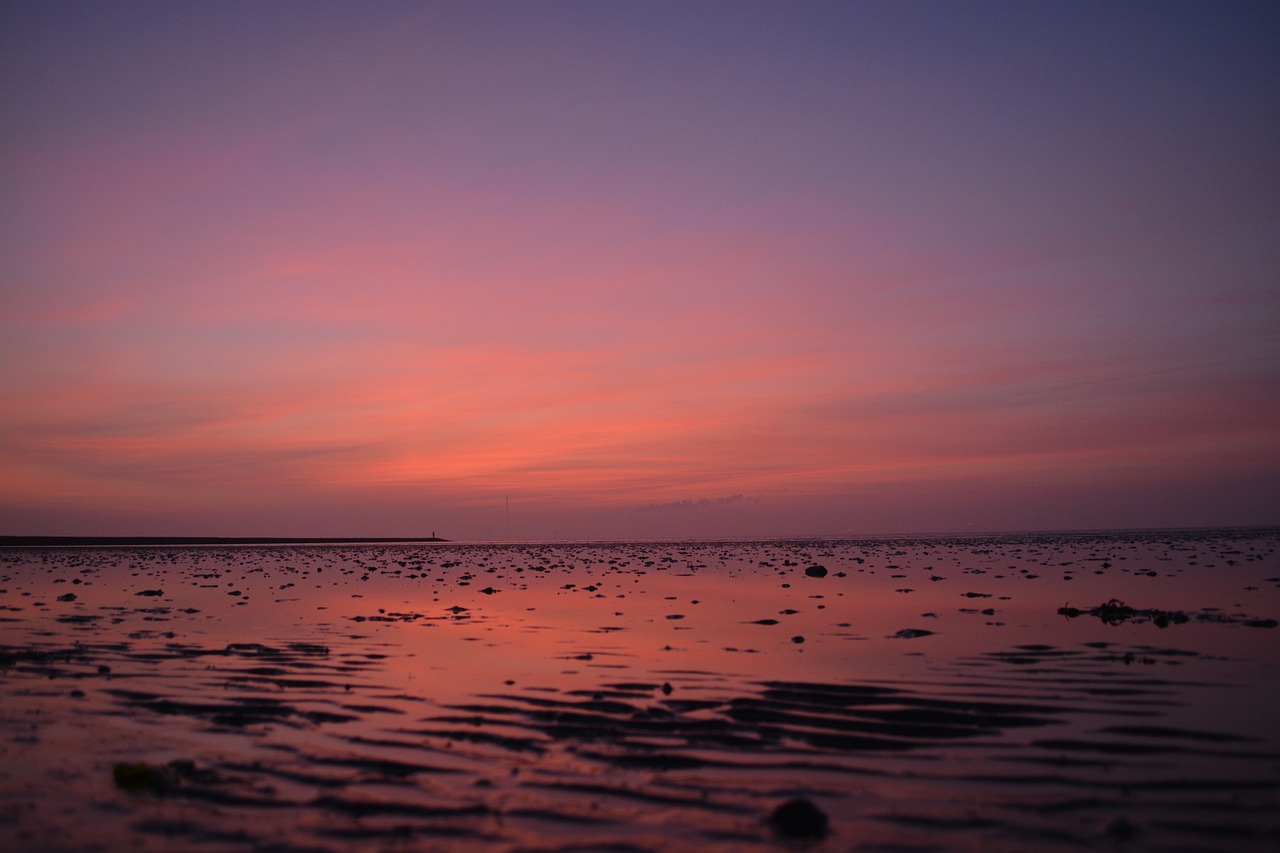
638, 269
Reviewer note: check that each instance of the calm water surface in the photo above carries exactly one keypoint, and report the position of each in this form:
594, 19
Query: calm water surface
923, 694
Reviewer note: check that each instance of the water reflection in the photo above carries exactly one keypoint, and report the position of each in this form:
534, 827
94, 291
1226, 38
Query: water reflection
638, 697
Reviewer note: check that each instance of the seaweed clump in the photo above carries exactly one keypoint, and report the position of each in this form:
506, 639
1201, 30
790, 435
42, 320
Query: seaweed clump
1115, 611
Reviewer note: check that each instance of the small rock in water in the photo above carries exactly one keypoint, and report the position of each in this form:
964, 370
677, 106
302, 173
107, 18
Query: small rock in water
1120, 829
910, 634
137, 778
816, 571
798, 819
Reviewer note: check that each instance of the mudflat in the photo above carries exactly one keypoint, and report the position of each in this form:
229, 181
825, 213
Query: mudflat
1014, 692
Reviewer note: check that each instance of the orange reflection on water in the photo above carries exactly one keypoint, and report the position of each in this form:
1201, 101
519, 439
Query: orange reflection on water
660, 693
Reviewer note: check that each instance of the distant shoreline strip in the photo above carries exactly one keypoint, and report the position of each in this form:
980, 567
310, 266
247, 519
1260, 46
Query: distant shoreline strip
154, 541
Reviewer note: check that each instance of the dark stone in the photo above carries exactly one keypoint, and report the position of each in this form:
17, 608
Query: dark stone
1120, 829
137, 778
816, 571
798, 819
910, 634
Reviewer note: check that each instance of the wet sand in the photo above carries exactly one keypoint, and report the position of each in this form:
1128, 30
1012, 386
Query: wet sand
1000, 693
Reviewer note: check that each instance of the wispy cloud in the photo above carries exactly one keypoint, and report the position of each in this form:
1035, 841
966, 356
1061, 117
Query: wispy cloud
690, 504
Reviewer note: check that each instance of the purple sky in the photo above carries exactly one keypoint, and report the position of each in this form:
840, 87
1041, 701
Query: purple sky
524, 270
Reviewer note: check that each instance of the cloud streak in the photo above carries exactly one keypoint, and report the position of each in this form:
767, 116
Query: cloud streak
690, 504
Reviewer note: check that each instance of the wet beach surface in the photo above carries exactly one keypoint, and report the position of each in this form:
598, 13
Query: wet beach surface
1000, 693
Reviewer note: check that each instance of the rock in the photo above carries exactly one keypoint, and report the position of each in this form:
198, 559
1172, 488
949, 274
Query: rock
137, 778
816, 571
1120, 829
798, 818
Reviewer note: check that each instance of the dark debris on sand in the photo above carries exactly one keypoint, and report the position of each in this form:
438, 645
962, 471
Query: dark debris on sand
1115, 611
798, 818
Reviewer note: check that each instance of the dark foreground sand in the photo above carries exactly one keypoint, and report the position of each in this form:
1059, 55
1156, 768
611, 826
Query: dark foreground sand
1010, 693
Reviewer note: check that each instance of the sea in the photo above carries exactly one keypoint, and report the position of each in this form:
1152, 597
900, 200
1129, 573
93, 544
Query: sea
1033, 691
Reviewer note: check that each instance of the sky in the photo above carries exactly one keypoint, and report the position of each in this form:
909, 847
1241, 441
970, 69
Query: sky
541, 270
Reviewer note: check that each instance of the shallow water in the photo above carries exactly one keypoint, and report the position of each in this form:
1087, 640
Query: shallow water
923, 694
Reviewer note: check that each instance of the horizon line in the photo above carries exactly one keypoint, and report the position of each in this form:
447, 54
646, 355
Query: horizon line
37, 541
54, 541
